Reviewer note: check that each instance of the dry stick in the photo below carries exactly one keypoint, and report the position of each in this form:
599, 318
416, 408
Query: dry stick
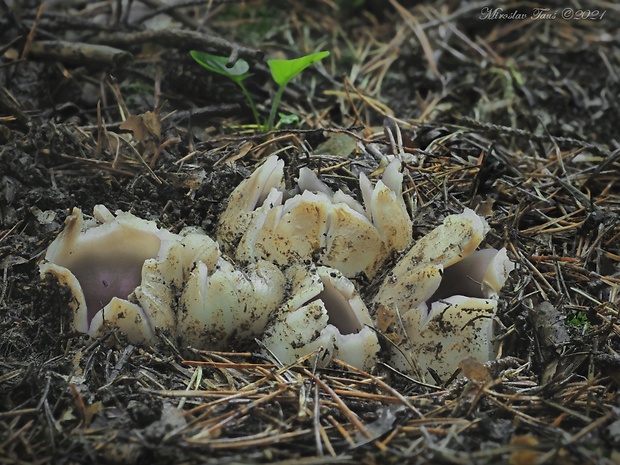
471, 123
244, 410
180, 39
161, 148
262, 440
317, 422
16, 413
79, 52
100, 132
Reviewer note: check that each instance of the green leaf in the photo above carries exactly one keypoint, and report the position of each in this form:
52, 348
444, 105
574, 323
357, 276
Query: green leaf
282, 71
237, 72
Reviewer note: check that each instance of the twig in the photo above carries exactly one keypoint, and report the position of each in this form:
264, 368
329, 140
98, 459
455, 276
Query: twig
80, 52
179, 39
472, 123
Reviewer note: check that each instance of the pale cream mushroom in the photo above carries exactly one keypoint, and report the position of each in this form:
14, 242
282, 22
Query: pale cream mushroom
483, 273
123, 271
127, 273
443, 290
324, 314
246, 197
386, 209
298, 327
309, 227
417, 275
223, 305
498, 269
320, 226
454, 329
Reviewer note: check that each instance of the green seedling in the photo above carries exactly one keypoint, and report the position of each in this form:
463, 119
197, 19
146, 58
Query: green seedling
237, 73
282, 72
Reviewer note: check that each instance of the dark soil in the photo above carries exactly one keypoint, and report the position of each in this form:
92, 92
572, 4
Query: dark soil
518, 112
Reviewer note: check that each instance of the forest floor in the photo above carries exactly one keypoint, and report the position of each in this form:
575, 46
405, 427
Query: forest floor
512, 112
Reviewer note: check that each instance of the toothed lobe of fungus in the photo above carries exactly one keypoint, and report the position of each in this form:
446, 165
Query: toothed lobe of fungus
445, 293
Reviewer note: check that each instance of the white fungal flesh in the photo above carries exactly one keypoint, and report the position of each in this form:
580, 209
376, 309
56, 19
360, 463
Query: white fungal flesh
497, 273
355, 342
308, 181
165, 275
353, 244
66, 279
390, 222
114, 246
308, 226
224, 302
122, 265
128, 317
439, 287
291, 232
480, 274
